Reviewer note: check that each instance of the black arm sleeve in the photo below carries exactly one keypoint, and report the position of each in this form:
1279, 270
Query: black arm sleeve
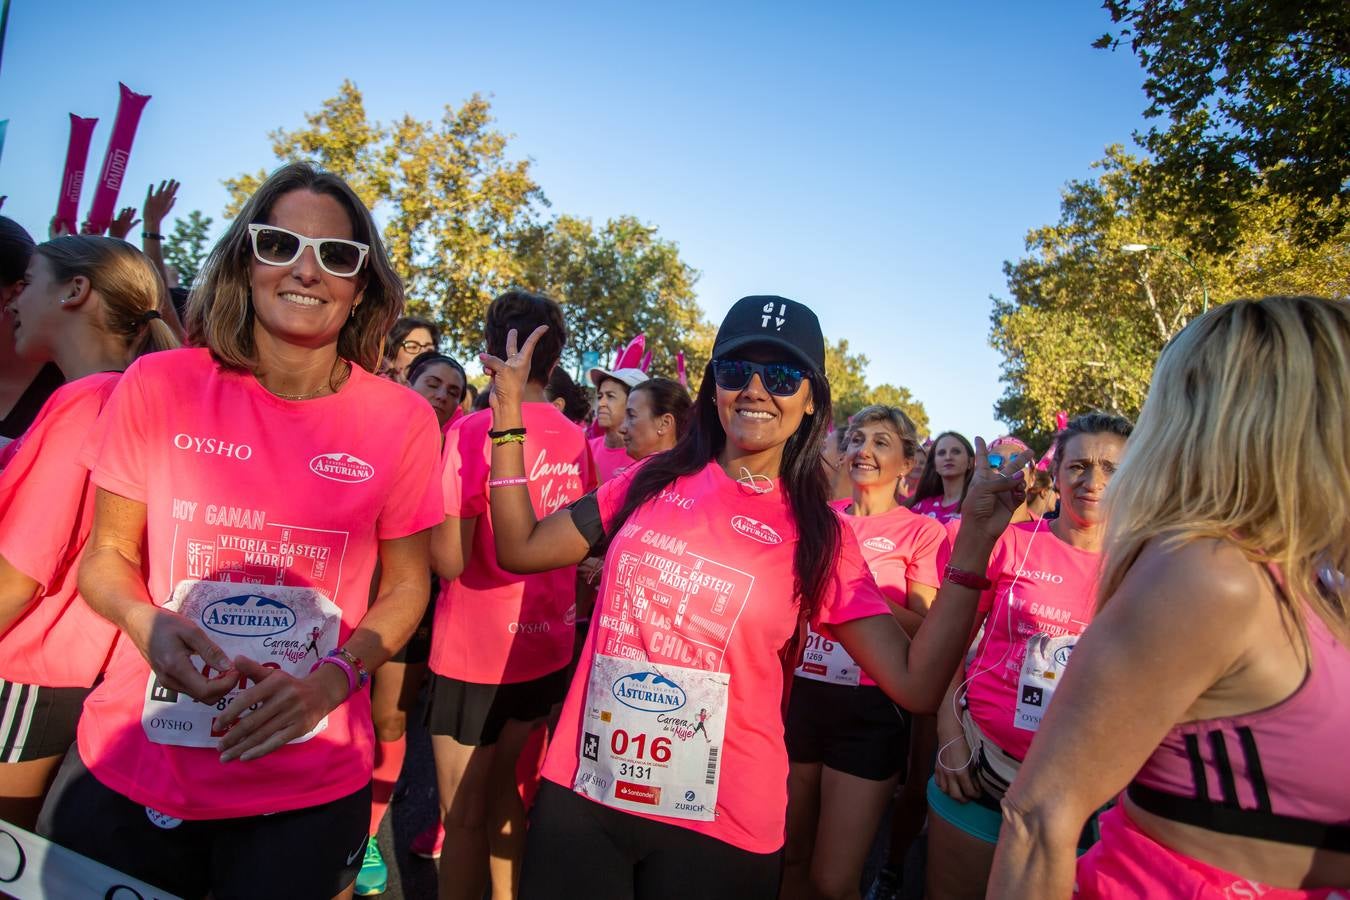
586, 517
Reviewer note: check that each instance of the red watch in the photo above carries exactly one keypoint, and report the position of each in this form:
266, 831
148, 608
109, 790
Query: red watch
966, 579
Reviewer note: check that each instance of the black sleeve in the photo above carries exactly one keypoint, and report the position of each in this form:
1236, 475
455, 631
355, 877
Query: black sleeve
586, 517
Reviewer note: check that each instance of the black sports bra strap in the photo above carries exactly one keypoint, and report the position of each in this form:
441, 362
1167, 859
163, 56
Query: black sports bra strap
1253, 823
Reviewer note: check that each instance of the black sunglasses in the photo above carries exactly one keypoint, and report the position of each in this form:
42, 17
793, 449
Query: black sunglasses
779, 379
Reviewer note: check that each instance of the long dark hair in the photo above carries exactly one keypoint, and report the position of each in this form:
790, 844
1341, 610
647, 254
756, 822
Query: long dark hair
930, 482
801, 475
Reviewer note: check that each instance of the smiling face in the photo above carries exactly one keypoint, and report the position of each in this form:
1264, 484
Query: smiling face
951, 459
643, 433
611, 399
1084, 468
755, 420
443, 387
300, 304
35, 313
876, 456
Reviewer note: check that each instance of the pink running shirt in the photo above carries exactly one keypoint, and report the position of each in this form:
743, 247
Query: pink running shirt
241, 486
46, 512
492, 626
1041, 586
900, 548
933, 508
609, 461
702, 579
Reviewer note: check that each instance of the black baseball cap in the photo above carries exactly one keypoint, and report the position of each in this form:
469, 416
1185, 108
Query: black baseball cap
776, 321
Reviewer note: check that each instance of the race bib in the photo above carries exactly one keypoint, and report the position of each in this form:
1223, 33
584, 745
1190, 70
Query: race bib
652, 738
1042, 671
827, 660
286, 628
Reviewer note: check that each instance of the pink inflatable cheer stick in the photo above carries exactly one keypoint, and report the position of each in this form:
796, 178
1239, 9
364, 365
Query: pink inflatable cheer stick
679, 368
115, 160
72, 182
1061, 420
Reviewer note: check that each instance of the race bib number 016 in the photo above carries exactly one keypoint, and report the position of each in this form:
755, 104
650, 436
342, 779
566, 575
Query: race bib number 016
652, 738
286, 628
827, 660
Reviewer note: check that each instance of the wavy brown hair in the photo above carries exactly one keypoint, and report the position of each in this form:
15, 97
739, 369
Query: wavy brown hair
1242, 379
220, 307
126, 281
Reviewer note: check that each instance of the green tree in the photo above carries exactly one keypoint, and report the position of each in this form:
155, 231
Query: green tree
616, 282
187, 245
1085, 322
850, 391
1255, 97
456, 208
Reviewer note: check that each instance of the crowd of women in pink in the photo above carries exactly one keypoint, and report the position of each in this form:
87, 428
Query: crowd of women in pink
237, 549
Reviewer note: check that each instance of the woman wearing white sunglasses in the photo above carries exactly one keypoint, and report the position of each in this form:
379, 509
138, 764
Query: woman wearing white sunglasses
247, 488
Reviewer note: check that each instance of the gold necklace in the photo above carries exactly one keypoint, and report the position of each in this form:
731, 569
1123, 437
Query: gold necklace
312, 394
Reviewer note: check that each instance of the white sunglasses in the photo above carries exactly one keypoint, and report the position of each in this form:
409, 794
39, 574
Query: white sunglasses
279, 247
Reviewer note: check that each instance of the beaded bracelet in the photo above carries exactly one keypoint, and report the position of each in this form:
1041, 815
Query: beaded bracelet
507, 482
508, 439
355, 662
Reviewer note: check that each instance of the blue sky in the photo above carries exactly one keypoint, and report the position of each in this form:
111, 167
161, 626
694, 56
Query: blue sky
878, 162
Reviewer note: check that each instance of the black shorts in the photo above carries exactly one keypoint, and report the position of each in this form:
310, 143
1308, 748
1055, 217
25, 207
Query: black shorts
37, 722
473, 714
418, 649
300, 854
854, 730
580, 848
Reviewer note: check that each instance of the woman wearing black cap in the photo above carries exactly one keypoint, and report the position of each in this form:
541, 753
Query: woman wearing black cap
668, 772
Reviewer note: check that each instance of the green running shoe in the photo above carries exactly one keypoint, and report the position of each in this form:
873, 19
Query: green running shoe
374, 875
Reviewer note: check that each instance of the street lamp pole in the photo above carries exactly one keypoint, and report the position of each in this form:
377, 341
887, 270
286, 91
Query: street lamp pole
1142, 248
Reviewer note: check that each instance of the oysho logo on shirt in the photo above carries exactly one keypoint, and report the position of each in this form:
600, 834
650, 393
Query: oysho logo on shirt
1040, 575
341, 467
756, 530
879, 544
212, 446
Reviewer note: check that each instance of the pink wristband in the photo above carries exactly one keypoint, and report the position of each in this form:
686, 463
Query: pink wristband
342, 664
507, 482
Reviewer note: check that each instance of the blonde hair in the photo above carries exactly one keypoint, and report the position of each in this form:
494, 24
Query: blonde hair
1246, 377
220, 308
126, 281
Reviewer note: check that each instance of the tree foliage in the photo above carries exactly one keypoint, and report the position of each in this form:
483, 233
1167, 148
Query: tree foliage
850, 392
616, 282
456, 208
187, 245
1256, 97
1085, 322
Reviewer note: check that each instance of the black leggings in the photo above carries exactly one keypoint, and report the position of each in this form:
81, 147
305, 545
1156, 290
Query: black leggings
580, 848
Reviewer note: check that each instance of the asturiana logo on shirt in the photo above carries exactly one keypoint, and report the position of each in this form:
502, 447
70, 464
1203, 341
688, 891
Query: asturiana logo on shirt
879, 544
649, 692
341, 467
248, 616
756, 530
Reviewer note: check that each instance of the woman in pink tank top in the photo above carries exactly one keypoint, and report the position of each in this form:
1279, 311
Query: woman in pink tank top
1211, 687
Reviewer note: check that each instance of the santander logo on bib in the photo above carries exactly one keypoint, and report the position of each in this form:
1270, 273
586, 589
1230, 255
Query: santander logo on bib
341, 467
756, 530
879, 544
